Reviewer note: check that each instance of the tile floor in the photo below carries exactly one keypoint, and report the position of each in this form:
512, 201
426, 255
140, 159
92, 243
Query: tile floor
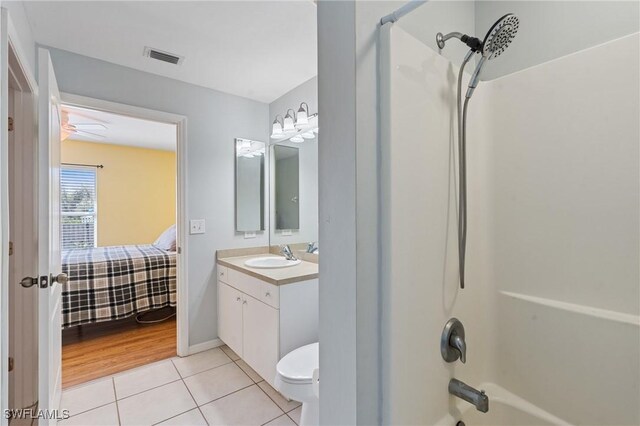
209, 388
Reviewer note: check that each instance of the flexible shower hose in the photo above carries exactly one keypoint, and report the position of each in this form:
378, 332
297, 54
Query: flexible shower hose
462, 166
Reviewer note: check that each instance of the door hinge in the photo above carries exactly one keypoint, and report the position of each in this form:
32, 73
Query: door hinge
10, 248
10, 363
11, 124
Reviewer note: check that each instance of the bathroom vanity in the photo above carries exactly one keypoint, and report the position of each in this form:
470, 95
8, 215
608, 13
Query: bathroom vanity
263, 314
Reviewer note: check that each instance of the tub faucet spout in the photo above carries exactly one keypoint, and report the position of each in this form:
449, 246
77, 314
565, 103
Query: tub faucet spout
469, 394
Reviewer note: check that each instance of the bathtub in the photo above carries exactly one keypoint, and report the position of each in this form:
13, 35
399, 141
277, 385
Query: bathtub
505, 409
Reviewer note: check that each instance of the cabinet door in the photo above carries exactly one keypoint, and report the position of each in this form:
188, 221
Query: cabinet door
230, 317
260, 342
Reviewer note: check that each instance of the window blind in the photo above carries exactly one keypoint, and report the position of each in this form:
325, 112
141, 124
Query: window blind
78, 207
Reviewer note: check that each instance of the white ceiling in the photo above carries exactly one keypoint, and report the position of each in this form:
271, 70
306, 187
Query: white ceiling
121, 130
255, 49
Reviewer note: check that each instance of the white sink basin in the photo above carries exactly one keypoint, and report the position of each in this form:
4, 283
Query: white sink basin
271, 262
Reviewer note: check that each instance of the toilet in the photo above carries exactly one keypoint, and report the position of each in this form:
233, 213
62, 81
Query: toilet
297, 379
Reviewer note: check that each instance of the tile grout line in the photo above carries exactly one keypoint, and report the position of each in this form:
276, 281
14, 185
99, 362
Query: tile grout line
194, 399
91, 409
147, 390
275, 403
115, 395
173, 417
287, 414
250, 378
208, 369
224, 396
273, 400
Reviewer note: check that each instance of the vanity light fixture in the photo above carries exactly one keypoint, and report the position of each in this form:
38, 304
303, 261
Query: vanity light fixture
295, 127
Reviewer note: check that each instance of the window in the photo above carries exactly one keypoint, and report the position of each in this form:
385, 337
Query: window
78, 207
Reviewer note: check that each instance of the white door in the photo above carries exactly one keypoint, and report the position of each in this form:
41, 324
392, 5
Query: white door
49, 262
230, 317
260, 337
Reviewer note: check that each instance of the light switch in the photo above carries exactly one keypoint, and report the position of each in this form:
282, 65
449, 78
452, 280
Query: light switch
196, 226
286, 232
248, 235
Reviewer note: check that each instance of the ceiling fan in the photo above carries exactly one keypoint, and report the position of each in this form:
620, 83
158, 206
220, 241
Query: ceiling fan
80, 129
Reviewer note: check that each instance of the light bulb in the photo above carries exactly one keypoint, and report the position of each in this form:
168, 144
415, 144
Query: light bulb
302, 117
288, 122
276, 131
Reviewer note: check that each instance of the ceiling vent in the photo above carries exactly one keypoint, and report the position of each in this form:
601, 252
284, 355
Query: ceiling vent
160, 55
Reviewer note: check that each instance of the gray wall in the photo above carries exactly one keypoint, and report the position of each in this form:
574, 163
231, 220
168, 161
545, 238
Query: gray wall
214, 119
306, 92
552, 29
337, 195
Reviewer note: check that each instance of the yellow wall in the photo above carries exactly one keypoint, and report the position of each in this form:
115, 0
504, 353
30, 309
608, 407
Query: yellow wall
136, 190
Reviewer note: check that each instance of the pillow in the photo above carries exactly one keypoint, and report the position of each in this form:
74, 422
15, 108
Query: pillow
167, 240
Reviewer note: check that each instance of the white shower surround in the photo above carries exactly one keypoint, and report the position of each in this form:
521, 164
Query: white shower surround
551, 307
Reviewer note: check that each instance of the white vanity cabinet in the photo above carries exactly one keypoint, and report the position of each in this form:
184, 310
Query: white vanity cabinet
262, 322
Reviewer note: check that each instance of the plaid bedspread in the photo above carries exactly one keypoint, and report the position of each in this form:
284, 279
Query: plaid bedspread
109, 283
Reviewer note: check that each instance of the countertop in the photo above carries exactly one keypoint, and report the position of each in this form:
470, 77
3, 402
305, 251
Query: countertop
277, 276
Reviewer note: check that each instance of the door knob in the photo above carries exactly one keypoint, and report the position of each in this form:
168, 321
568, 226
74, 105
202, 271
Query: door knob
27, 282
61, 278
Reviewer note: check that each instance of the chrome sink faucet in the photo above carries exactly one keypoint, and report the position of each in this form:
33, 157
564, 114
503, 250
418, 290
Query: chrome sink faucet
287, 253
469, 394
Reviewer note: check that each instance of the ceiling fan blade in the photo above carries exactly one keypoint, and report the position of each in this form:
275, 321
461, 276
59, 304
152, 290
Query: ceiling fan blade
91, 135
90, 126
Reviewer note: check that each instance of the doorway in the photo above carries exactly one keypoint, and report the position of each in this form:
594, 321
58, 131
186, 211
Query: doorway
118, 181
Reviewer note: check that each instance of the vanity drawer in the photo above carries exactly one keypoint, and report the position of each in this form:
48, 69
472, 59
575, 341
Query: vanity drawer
270, 294
261, 290
223, 273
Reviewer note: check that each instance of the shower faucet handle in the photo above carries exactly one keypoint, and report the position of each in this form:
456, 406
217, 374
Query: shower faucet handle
452, 343
459, 343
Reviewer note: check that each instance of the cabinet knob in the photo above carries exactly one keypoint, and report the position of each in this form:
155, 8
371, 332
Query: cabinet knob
267, 294
244, 302
237, 299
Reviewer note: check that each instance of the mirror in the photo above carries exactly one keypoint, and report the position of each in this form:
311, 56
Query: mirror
286, 162
250, 185
293, 172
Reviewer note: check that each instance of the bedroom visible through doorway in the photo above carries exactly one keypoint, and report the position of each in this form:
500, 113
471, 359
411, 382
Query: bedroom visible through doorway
118, 196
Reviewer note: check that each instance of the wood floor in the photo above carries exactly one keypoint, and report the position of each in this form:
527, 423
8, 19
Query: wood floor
98, 350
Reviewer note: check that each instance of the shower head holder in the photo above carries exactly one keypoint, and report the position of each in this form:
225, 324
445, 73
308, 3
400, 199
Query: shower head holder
473, 43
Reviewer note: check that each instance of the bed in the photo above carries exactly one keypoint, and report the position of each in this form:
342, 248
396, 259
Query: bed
110, 283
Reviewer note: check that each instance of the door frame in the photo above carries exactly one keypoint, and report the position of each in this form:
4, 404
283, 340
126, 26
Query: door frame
14, 57
182, 313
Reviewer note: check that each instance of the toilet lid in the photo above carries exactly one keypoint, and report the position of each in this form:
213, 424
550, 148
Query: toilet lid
298, 365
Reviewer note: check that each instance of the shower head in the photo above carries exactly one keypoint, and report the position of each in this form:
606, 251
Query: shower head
498, 38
